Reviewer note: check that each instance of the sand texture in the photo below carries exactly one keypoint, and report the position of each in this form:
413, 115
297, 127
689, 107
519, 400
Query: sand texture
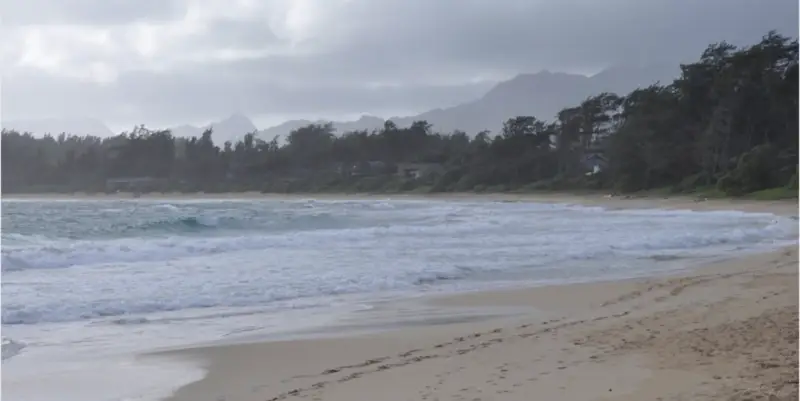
727, 331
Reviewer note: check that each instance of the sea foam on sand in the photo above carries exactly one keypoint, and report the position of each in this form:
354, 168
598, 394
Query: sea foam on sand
120, 378
83, 325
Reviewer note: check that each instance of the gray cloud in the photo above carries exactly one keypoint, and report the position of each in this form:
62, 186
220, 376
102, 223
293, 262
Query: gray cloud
168, 99
231, 33
428, 50
91, 12
528, 35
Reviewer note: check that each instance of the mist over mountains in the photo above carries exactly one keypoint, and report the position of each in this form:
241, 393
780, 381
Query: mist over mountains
55, 126
541, 94
231, 128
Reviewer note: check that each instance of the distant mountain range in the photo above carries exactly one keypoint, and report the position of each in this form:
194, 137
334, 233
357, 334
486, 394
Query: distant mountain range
541, 94
55, 126
232, 128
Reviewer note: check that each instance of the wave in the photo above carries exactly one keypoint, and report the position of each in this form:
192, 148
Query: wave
299, 231
188, 222
200, 261
10, 264
294, 304
163, 239
11, 348
221, 285
139, 311
125, 321
170, 239
191, 223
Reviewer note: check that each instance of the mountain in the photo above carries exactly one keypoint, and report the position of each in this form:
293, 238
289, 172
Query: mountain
542, 95
232, 129
368, 123
55, 126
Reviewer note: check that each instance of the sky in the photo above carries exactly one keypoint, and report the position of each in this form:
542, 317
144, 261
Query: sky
169, 62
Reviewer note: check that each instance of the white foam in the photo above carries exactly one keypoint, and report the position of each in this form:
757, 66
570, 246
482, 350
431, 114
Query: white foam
421, 245
96, 379
11, 348
83, 308
102, 361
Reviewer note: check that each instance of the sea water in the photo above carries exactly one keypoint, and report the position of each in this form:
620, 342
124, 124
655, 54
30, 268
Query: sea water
89, 284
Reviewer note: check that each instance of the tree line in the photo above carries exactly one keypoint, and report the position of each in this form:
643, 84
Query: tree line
728, 124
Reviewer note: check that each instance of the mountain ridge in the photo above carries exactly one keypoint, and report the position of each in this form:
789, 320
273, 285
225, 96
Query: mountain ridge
232, 128
56, 126
541, 94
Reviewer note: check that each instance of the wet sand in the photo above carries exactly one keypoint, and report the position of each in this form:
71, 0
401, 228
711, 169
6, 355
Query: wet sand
724, 331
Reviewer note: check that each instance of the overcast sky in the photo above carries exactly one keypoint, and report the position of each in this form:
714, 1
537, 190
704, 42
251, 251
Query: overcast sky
192, 61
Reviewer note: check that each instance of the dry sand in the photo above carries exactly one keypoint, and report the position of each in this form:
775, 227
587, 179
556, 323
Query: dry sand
726, 331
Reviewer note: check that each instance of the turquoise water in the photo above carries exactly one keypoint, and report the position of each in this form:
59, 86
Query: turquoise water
84, 260
87, 285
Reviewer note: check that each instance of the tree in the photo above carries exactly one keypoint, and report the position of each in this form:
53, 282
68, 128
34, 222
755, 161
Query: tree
729, 121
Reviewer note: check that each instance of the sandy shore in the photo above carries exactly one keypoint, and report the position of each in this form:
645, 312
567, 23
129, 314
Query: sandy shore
782, 207
726, 331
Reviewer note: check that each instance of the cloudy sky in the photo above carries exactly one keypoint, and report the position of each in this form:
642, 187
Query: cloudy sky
164, 62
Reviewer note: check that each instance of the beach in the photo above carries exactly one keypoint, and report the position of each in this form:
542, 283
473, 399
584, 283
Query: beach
722, 331
410, 297
783, 207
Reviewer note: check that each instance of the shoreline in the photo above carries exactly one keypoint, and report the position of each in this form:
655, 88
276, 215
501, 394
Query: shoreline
786, 207
682, 335
609, 334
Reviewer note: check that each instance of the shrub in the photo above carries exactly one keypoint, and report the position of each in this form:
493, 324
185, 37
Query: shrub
466, 183
792, 184
372, 184
497, 188
692, 183
774, 194
755, 170
447, 181
542, 185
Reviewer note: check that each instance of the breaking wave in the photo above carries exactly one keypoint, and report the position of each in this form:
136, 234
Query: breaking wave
11, 348
167, 258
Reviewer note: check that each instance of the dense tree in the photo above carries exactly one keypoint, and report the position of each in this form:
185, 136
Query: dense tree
729, 121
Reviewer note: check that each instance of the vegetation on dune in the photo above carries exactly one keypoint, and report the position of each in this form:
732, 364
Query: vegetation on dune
727, 125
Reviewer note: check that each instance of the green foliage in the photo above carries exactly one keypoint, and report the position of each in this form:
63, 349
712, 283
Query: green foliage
792, 184
467, 182
372, 184
779, 193
692, 183
422, 189
756, 170
709, 192
448, 181
728, 125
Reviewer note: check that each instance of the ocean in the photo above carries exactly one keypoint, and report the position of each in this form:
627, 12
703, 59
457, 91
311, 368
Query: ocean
89, 284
